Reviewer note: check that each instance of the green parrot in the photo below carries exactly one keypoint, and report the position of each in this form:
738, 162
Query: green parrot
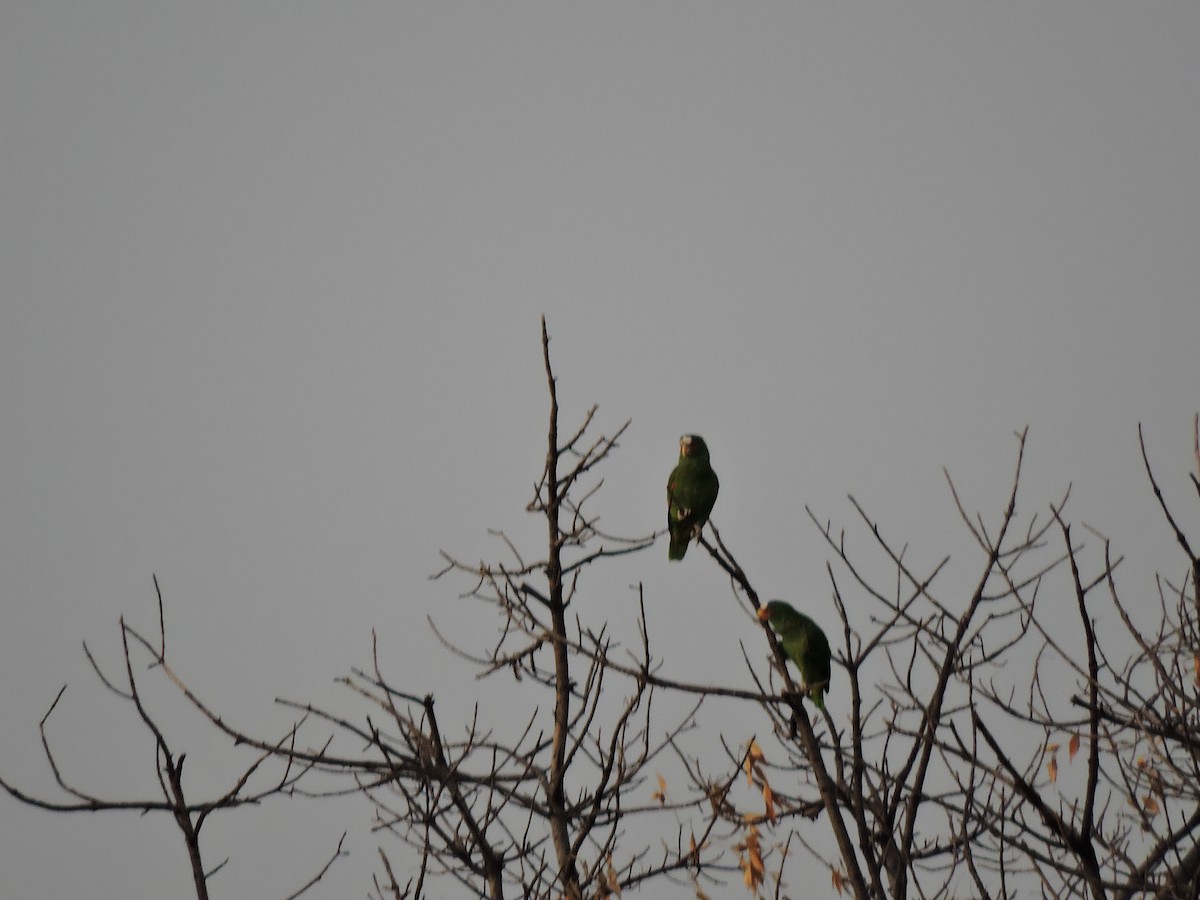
804, 643
691, 493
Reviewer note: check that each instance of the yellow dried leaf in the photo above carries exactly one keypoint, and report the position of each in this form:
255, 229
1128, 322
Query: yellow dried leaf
611, 882
661, 794
758, 867
1156, 784
1142, 762
1052, 769
754, 758
1073, 746
1052, 748
700, 895
753, 868
1150, 805
752, 839
768, 803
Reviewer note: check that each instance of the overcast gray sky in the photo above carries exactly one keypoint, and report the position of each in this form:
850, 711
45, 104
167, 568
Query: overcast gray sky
270, 279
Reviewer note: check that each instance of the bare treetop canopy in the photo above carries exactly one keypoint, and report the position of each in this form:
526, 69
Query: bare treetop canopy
980, 735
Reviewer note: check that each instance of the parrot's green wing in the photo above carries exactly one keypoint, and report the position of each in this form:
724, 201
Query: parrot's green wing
691, 493
804, 643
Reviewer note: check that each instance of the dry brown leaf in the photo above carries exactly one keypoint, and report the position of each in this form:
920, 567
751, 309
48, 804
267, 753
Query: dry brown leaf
1156, 783
661, 794
838, 881
1073, 746
769, 803
700, 895
753, 868
754, 759
1052, 768
611, 884
1150, 805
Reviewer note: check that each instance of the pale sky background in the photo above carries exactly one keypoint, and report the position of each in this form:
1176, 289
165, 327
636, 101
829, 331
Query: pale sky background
270, 279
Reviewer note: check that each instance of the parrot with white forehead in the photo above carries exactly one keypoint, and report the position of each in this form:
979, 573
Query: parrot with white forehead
691, 493
804, 643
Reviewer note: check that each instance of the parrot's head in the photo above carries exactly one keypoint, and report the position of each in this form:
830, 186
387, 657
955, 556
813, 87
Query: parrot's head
776, 609
693, 445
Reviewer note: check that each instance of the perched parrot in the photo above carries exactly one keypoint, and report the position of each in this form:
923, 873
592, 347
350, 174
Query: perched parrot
691, 493
804, 643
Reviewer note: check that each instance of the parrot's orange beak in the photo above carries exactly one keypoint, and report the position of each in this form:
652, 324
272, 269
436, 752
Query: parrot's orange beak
762, 614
